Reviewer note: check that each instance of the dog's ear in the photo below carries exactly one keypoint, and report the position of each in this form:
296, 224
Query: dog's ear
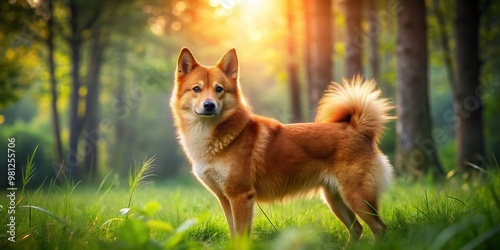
229, 64
186, 62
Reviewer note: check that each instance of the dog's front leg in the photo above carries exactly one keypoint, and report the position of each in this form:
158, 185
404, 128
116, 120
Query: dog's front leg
226, 206
242, 208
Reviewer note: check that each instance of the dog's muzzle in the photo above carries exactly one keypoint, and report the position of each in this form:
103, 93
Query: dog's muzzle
210, 108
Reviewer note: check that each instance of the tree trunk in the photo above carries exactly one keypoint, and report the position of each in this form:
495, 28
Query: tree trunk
77, 25
75, 44
416, 152
293, 78
443, 36
319, 49
373, 36
92, 133
468, 103
122, 112
354, 48
53, 88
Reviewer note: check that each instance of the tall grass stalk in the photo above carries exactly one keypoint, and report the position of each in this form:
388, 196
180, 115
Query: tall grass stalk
28, 172
138, 176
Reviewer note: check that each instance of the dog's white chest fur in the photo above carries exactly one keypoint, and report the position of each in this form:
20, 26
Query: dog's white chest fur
210, 170
213, 174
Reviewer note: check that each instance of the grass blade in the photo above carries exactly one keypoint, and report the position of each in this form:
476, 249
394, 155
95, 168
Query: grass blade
103, 181
109, 221
270, 222
477, 167
453, 198
45, 211
473, 244
451, 231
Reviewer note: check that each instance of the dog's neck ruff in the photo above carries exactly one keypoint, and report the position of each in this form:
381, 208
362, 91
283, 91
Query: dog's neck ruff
201, 141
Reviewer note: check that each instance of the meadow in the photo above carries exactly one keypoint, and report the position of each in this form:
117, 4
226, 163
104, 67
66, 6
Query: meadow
180, 214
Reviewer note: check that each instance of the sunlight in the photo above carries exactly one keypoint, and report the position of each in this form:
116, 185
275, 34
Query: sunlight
176, 25
157, 24
33, 3
156, 29
226, 4
178, 8
255, 33
230, 4
249, 14
82, 91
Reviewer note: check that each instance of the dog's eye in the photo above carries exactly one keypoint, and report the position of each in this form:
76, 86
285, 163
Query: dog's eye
219, 89
197, 89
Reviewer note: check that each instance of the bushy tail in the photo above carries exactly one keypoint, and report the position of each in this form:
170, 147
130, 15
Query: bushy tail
357, 102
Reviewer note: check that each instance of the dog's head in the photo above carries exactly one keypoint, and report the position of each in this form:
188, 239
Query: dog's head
202, 92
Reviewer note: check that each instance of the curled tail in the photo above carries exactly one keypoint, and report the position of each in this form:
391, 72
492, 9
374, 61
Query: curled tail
357, 102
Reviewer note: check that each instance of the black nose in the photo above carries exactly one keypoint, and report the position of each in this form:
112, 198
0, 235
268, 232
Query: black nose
209, 106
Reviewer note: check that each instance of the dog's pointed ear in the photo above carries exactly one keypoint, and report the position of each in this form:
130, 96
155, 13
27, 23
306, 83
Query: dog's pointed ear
229, 64
186, 62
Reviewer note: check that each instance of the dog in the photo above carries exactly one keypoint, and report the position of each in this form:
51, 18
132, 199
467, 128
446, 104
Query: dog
243, 158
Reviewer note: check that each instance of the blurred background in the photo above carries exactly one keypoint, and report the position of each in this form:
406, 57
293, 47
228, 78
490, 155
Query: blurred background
88, 81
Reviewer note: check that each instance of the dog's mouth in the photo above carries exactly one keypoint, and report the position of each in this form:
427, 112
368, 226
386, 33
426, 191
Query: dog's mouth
206, 113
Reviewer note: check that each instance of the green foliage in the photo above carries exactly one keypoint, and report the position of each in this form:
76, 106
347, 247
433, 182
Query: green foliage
491, 95
458, 215
447, 153
28, 138
388, 142
135, 232
159, 138
10, 89
18, 58
22, 111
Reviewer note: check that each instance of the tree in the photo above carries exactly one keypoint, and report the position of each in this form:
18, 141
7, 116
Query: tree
354, 50
444, 39
468, 103
53, 83
319, 43
92, 133
416, 152
293, 78
74, 43
120, 105
77, 25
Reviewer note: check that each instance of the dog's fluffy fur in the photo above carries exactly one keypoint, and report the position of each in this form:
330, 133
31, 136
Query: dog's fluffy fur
243, 158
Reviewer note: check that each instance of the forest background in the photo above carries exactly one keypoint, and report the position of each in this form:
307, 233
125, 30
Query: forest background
88, 82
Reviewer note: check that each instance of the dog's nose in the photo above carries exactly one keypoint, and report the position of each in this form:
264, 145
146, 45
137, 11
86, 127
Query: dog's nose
209, 105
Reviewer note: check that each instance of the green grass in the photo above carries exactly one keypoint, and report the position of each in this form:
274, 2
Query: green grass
423, 215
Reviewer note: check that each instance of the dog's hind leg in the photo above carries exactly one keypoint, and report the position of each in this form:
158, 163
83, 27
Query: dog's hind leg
336, 204
362, 199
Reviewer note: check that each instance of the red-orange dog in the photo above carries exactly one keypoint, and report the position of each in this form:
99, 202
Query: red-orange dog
243, 158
